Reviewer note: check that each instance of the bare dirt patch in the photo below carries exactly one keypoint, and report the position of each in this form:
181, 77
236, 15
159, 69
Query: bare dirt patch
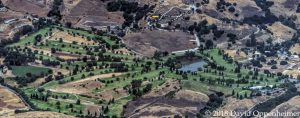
170, 85
237, 55
109, 94
36, 7
92, 110
147, 42
281, 32
284, 7
293, 73
295, 49
169, 102
84, 85
40, 114
68, 38
123, 51
90, 13
292, 106
66, 56
9, 102
44, 51
237, 105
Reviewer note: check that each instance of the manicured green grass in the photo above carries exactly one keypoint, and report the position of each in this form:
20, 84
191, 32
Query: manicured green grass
30, 39
21, 71
193, 82
117, 108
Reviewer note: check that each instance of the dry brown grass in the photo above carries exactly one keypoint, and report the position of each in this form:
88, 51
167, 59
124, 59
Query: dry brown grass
86, 13
122, 51
109, 94
184, 102
147, 42
45, 51
295, 49
170, 85
293, 73
237, 105
29, 6
281, 32
292, 105
233, 104
83, 86
40, 114
191, 95
284, 7
237, 55
70, 39
9, 102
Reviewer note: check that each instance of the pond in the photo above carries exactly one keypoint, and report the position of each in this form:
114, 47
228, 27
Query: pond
193, 67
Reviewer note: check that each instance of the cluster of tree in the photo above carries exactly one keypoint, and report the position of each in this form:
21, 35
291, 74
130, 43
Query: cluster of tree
215, 101
15, 58
252, 41
119, 67
222, 6
135, 88
48, 62
22, 81
288, 21
171, 63
1, 4
110, 58
239, 96
132, 11
40, 97
272, 103
41, 23
232, 38
26, 29
55, 10
203, 28
261, 20
158, 54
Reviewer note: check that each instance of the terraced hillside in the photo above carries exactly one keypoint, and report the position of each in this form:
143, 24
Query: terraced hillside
97, 75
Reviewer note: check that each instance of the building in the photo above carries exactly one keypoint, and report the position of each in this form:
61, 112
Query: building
256, 87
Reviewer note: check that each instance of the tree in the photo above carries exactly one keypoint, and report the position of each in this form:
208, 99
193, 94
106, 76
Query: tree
105, 109
78, 102
231, 9
55, 10
53, 50
1, 4
1, 80
209, 43
68, 24
38, 38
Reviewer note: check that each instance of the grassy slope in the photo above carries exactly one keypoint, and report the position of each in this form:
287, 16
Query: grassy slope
191, 83
21, 71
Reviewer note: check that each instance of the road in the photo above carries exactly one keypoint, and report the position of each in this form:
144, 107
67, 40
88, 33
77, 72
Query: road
166, 12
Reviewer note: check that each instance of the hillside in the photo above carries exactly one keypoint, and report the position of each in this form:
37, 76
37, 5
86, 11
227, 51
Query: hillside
148, 58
